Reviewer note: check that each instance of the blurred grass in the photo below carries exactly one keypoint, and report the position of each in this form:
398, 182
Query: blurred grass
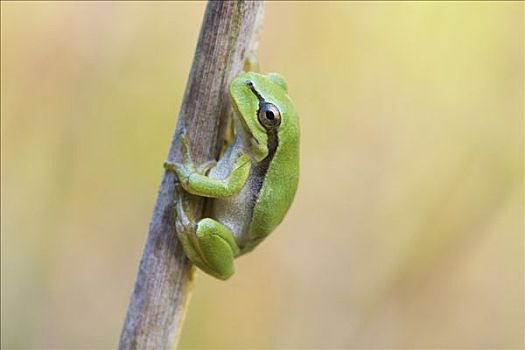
407, 230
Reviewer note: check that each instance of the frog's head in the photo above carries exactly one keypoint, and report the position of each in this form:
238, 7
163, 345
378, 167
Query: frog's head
266, 117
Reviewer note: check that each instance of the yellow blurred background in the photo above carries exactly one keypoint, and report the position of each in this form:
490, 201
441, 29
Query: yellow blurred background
407, 229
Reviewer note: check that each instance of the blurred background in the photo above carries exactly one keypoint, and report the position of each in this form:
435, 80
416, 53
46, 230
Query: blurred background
407, 229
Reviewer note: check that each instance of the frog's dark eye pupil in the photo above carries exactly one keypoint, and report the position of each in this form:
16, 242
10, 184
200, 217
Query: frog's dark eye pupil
269, 115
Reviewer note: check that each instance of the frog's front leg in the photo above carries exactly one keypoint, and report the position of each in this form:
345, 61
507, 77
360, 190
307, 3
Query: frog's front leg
208, 244
197, 183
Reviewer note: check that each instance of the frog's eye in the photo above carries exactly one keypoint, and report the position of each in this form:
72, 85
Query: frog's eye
269, 115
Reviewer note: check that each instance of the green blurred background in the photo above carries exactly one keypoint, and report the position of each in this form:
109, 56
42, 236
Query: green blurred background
407, 229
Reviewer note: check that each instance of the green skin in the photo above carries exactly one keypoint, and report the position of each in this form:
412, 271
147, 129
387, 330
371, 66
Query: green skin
252, 185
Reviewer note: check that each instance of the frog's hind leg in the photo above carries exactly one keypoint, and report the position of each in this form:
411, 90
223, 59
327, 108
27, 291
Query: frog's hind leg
217, 247
208, 244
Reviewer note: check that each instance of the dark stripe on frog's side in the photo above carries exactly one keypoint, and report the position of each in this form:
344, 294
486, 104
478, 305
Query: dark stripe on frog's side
257, 178
260, 169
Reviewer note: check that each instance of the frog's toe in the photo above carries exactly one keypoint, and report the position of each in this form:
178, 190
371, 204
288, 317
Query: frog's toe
169, 166
185, 148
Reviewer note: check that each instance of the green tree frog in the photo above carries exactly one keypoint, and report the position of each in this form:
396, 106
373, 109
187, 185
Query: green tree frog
251, 186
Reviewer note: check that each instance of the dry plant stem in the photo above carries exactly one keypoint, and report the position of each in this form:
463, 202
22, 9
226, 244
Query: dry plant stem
156, 310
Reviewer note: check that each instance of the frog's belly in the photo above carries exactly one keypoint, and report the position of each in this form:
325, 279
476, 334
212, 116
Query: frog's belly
236, 212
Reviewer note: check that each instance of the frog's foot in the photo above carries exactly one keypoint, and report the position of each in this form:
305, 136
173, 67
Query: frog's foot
187, 161
185, 168
185, 222
208, 244
185, 148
